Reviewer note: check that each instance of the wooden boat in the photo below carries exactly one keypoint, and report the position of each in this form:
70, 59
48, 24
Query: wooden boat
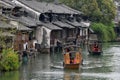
72, 57
95, 48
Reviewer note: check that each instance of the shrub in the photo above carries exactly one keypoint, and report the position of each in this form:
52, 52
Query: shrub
9, 60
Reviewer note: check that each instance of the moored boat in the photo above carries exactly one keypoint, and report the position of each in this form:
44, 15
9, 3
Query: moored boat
95, 48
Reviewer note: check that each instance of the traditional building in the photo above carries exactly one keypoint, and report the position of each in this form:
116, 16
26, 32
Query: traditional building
50, 21
21, 32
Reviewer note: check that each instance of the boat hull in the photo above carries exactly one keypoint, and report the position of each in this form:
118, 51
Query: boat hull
71, 66
95, 52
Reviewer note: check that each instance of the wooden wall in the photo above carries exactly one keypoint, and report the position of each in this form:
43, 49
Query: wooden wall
20, 38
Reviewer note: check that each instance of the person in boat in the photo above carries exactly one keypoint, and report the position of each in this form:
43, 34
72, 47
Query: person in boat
25, 45
67, 50
77, 40
70, 54
95, 48
71, 58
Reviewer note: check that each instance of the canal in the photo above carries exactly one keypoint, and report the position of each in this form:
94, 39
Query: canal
49, 67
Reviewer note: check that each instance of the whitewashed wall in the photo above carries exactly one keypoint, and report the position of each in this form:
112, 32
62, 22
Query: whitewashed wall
84, 32
43, 36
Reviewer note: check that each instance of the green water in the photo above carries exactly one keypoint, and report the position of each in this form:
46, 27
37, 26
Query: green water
49, 67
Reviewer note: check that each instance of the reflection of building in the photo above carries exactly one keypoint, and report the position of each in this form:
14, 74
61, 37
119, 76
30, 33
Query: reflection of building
49, 21
117, 19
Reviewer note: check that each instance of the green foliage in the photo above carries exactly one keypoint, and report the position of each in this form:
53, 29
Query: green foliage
105, 33
108, 10
102, 11
9, 60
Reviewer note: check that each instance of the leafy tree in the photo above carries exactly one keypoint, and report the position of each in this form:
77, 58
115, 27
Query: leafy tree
107, 9
105, 33
91, 9
101, 12
97, 10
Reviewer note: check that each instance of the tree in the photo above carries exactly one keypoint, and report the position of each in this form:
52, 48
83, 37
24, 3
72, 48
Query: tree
96, 10
104, 32
108, 10
102, 12
91, 9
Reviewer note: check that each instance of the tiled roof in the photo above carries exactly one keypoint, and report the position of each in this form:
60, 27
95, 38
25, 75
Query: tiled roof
79, 24
21, 26
62, 24
74, 23
5, 25
43, 7
51, 26
27, 21
7, 3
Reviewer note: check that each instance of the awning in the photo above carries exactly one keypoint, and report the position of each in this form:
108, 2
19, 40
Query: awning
62, 24
51, 26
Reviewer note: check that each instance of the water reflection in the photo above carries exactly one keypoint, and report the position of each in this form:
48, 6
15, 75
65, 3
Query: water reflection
72, 75
10, 75
40, 63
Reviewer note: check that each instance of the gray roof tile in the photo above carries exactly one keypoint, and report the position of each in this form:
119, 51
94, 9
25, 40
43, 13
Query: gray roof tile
23, 28
8, 3
79, 24
24, 20
5, 25
51, 26
62, 24
74, 23
28, 21
46, 7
